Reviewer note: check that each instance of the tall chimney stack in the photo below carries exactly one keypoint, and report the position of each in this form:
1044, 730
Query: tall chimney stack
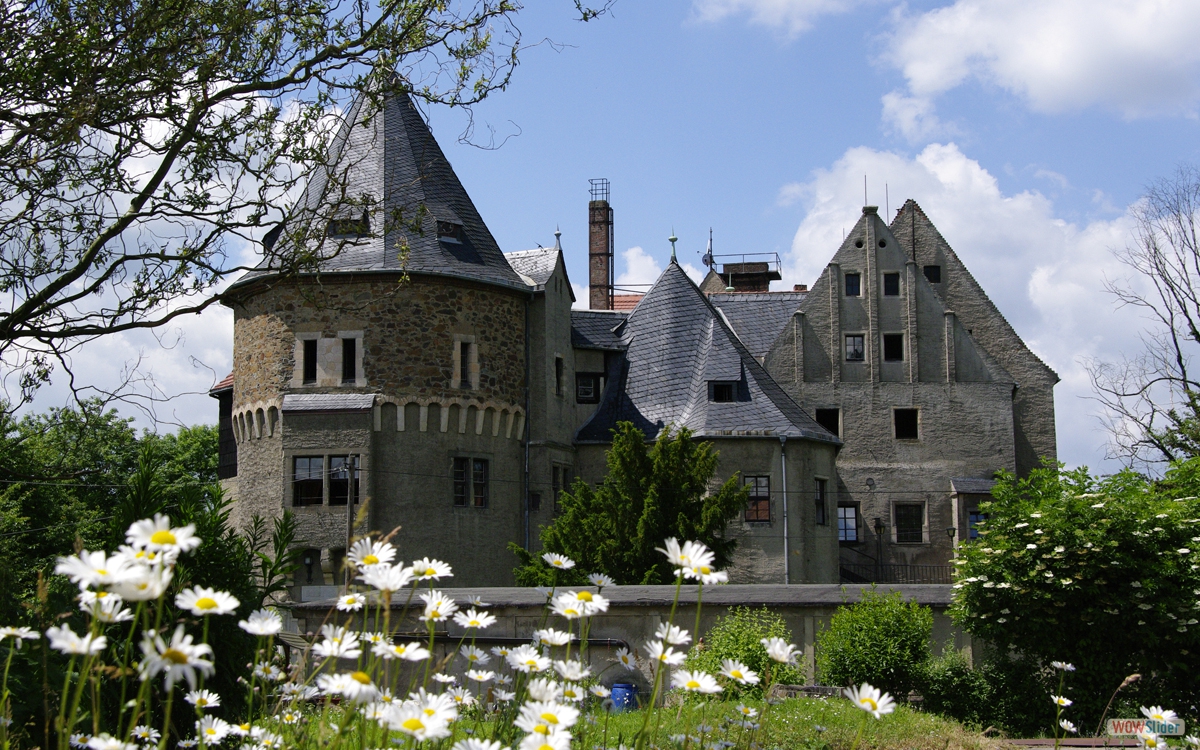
600, 247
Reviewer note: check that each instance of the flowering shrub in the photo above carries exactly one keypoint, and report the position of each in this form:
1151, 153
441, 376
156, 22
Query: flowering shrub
738, 637
1103, 573
880, 639
349, 689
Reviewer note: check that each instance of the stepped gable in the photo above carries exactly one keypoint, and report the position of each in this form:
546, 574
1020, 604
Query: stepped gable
676, 343
389, 154
758, 317
961, 293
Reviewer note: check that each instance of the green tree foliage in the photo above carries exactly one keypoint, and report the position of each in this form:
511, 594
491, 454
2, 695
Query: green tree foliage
651, 492
882, 639
951, 687
1098, 572
738, 635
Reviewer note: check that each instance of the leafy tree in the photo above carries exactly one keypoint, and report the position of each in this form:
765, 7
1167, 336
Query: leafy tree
651, 492
143, 143
881, 639
1098, 572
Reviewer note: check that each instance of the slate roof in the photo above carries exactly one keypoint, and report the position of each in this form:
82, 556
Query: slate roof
675, 344
328, 402
593, 329
758, 317
389, 154
534, 266
972, 485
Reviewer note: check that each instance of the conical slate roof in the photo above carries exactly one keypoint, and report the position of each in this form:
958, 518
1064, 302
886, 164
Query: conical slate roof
390, 155
676, 343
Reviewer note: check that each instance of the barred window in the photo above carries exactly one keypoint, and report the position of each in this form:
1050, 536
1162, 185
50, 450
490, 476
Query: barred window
461, 467
758, 505
910, 523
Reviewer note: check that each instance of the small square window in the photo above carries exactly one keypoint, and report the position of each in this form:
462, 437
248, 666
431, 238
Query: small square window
847, 523
933, 273
720, 392
819, 501
587, 388
830, 419
910, 523
891, 285
855, 348
758, 505
893, 347
853, 285
907, 424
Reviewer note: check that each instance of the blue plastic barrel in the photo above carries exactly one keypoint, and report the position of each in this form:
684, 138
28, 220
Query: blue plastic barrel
624, 697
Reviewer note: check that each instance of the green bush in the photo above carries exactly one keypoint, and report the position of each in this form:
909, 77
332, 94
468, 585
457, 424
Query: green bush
738, 635
882, 639
952, 688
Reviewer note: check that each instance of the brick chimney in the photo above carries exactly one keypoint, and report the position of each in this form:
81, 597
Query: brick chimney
800, 288
600, 247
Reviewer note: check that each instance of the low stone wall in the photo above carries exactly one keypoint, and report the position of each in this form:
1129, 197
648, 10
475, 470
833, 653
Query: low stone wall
636, 611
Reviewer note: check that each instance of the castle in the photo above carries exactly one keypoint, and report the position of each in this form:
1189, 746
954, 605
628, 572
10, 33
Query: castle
422, 379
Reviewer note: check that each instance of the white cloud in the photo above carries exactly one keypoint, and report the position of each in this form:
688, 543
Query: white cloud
1138, 57
639, 268
790, 16
913, 117
1046, 275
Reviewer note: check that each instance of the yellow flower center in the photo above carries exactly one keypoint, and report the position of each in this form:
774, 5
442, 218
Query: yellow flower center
413, 725
531, 662
201, 701
474, 623
361, 677
542, 729
692, 685
176, 656
162, 537
549, 718
244, 727
435, 613
736, 674
570, 611
102, 571
206, 602
370, 560
430, 712
584, 596
430, 572
210, 730
869, 702
704, 569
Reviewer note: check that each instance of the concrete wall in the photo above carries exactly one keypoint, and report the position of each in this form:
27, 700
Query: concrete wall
636, 612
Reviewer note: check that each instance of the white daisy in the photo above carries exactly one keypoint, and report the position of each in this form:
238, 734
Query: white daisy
262, 622
157, 535
104, 606
411, 719
143, 733
203, 699
105, 742
445, 679
527, 659
1159, 713
655, 651
871, 700
695, 682
212, 729
438, 606
673, 634
572, 671
551, 637
339, 643
18, 635
599, 580
480, 675
351, 602
780, 650
427, 568
544, 689
63, 639
365, 553
474, 655
555, 560
735, 670
179, 658
545, 718
92, 569
407, 651
387, 577
205, 601
474, 619
143, 583
626, 658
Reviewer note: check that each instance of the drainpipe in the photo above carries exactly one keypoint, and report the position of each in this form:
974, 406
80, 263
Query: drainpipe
787, 576
528, 425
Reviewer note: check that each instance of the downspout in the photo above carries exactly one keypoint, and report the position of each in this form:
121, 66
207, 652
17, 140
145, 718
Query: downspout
787, 575
528, 426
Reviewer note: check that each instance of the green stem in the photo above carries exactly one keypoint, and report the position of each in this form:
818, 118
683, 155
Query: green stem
861, 727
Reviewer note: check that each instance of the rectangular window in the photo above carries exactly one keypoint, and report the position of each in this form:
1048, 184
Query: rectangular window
308, 480
893, 347
910, 523
449, 231
891, 285
720, 392
558, 376
819, 502
535, 501
758, 505
830, 419
853, 284
855, 348
556, 484
933, 273
479, 482
339, 479
349, 366
462, 480
464, 365
847, 523
906, 424
587, 388
309, 365
973, 519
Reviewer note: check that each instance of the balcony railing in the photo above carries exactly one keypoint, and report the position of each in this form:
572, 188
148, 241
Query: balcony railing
870, 573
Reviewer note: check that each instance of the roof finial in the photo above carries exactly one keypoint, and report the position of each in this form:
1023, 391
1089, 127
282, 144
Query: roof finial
557, 243
708, 256
673, 239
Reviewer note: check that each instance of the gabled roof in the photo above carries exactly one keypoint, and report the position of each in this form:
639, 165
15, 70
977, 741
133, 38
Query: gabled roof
226, 384
534, 266
387, 157
594, 329
675, 344
758, 317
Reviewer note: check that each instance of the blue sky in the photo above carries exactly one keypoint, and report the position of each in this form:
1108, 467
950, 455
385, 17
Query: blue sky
1025, 128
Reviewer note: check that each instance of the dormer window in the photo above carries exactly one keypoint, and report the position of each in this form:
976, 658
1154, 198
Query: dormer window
448, 231
349, 227
722, 391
